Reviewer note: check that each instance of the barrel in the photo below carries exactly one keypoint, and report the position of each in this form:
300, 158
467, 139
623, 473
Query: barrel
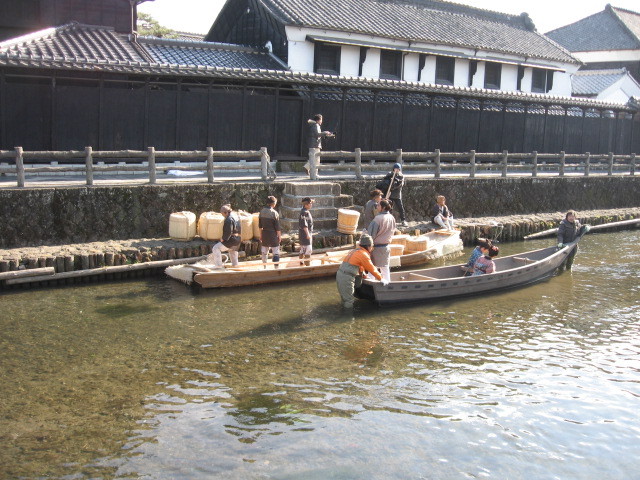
400, 239
396, 249
210, 225
256, 225
348, 221
246, 226
416, 244
182, 226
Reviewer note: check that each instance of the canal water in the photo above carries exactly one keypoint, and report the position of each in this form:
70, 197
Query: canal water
150, 379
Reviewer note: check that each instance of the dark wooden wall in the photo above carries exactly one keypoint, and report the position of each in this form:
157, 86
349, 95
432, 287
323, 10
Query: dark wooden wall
41, 112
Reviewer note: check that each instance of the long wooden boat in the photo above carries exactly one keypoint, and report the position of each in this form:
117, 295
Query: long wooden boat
254, 272
445, 282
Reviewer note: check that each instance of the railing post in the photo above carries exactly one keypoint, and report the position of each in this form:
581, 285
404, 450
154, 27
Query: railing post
562, 161
399, 156
610, 167
505, 161
632, 167
437, 161
534, 168
472, 164
358, 153
19, 167
210, 164
88, 161
264, 163
587, 164
152, 164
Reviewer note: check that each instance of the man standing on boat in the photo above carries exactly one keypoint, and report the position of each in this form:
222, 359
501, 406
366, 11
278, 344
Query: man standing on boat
568, 231
381, 229
230, 240
270, 231
314, 141
353, 267
305, 230
394, 181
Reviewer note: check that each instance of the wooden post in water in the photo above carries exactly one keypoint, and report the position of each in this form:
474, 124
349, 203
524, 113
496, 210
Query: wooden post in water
534, 168
210, 164
358, 153
472, 163
610, 166
152, 164
19, 167
437, 161
562, 162
88, 161
505, 162
587, 164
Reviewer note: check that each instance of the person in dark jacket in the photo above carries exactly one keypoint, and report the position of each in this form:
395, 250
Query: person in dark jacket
230, 240
270, 231
314, 141
305, 230
568, 231
396, 180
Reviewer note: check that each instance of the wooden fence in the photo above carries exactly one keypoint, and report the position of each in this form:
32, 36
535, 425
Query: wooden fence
435, 163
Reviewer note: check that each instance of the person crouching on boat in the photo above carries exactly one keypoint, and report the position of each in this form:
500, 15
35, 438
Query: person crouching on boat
567, 232
485, 263
270, 231
305, 231
230, 241
475, 255
381, 229
441, 215
352, 268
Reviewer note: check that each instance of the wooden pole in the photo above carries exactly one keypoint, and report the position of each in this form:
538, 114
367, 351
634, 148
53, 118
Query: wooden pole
534, 168
210, 164
505, 161
562, 163
472, 164
437, 161
31, 272
19, 167
264, 159
152, 164
632, 167
89, 164
610, 166
358, 153
587, 164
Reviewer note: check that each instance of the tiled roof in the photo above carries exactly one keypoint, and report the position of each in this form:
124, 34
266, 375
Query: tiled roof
430, 21
179, 52
592, 82
85, 44
29, 52
611, 29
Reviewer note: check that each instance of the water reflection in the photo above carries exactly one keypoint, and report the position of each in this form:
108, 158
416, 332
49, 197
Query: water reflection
149, 379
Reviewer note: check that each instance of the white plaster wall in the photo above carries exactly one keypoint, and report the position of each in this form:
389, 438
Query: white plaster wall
509, 78
527, 78
411, 62
461, 73
620, 91
429, 70
478, 78
561, 84
349, 60
608, 56
371, 66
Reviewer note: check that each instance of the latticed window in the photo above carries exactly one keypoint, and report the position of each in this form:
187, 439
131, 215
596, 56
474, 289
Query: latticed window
492, 75
445, 68
327, 59
390, 64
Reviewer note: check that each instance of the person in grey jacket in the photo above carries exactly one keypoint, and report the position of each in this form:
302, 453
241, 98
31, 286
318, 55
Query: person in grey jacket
314, 140
568, 231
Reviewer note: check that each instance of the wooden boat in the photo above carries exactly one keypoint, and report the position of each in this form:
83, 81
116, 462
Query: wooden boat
445, 282
254, 272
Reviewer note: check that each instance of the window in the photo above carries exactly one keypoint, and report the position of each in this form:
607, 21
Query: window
541, 80
390, 64
445, 67
327, 59
492, 74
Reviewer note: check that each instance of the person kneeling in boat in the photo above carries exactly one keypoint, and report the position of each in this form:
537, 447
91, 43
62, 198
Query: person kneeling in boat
352, 268
475, 255
485, 263
230, 241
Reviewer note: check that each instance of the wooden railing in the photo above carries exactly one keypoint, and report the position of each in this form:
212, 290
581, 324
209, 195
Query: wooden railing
204, 161
435, 163
473, 163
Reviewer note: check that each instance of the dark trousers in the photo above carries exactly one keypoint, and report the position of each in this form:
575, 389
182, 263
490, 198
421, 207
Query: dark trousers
399, 207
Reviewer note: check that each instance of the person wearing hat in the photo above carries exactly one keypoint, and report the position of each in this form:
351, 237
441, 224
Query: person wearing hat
395, 181
305, 230
353, 267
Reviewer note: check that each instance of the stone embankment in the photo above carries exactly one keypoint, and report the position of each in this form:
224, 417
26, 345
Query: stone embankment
88, 256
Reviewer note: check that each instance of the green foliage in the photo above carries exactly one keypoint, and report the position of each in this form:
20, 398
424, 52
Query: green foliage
149, 27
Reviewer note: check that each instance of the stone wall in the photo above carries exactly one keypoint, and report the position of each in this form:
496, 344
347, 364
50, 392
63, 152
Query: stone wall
50, 216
